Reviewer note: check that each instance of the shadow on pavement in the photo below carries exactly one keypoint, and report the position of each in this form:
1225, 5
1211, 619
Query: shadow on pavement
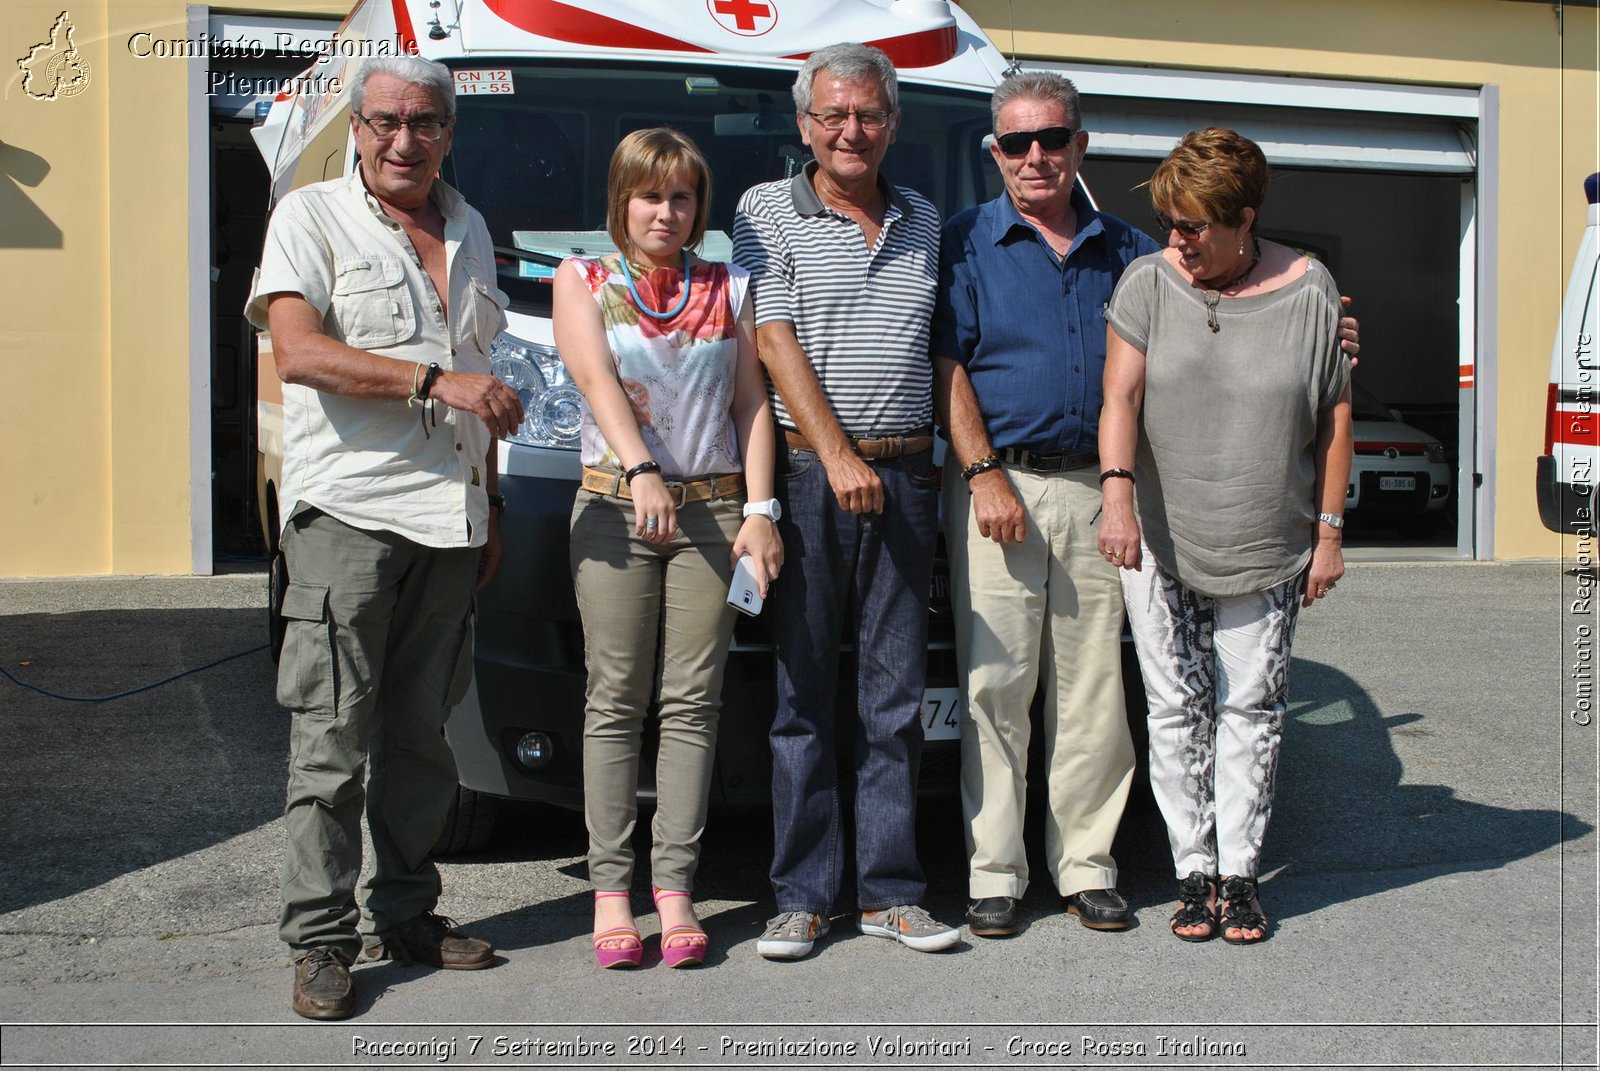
96, 790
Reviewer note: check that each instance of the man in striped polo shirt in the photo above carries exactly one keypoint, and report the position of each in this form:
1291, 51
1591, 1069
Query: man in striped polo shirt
844, 267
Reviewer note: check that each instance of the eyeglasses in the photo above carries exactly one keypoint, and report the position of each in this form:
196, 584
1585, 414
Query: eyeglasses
1050, 139
1191, 231
869, 118
388, 126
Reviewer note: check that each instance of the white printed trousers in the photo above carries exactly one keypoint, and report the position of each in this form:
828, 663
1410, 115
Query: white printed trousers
1216, 674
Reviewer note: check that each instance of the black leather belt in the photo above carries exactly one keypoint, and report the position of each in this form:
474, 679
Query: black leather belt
1032, 462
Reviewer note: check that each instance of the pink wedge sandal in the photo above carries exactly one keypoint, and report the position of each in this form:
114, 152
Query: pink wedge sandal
690, 952
627, 956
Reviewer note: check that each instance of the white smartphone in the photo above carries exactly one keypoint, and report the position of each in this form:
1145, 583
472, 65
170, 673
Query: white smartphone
744, 594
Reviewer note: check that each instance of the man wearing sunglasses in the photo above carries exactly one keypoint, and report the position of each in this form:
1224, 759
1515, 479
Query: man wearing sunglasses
379, 292
1019, 347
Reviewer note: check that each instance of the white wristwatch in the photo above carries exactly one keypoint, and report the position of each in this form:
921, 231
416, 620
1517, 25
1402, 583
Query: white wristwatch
1332, 520
770, 509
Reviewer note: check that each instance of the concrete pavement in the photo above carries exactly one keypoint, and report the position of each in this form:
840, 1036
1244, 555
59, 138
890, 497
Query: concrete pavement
1431, 874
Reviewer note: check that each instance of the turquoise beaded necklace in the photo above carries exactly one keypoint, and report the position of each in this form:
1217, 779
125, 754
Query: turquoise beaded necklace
683, 303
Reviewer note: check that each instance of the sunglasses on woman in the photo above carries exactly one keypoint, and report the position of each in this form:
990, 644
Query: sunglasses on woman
1050, 139
1184, 227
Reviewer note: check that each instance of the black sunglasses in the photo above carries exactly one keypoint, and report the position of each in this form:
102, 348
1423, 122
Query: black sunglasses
1189, 230
1050, 139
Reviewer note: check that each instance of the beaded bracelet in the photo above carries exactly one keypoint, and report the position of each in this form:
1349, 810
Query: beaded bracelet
983, 464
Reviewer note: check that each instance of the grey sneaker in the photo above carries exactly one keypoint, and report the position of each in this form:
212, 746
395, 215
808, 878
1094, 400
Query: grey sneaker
912, 926
791, 935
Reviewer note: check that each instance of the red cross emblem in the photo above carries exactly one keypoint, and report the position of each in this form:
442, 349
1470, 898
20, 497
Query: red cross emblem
747, 18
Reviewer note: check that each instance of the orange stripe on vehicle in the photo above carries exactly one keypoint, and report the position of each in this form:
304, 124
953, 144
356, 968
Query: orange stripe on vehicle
1468, 376
405, 36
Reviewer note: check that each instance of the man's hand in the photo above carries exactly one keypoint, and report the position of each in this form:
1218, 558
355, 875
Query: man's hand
854, 483
1349, 334
995, 507
486, 397
490, 553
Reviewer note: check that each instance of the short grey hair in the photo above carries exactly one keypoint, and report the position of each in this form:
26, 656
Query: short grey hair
1036, 85
413, 69
848, 62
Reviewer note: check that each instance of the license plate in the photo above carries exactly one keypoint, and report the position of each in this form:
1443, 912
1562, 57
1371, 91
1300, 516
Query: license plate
941, 714
1397, 483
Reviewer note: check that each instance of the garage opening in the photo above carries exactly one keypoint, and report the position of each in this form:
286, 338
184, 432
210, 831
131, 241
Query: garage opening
239, 189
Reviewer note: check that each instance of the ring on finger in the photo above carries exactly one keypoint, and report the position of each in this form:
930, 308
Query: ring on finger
651, 522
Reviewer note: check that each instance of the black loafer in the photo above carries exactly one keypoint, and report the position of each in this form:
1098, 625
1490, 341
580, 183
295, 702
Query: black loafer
1100, 909
992, 916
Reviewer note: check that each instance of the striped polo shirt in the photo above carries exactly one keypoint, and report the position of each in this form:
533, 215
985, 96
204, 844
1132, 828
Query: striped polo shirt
862, 316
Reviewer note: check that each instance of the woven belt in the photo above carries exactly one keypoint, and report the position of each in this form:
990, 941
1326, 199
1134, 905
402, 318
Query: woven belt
611, 484
873, 449
1027, 459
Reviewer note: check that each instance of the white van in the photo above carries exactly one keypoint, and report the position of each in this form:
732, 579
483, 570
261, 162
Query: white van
1567, 468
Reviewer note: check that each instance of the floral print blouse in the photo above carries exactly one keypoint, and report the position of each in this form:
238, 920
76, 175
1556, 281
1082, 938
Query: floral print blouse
678, 374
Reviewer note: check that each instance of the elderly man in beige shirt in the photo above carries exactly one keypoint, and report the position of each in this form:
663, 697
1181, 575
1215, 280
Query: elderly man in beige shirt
379, 292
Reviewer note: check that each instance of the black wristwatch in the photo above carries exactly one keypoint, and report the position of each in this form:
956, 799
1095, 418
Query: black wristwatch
497, 502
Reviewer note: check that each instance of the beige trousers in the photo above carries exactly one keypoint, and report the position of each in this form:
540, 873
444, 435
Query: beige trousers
656, 626
1051, 608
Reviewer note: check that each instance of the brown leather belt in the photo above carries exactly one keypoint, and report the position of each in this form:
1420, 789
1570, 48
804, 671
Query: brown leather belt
873, 449
611, 484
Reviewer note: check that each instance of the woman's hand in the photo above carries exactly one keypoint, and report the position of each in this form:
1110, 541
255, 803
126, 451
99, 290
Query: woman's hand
759, 538
655, 519
1327, 567
1119, 535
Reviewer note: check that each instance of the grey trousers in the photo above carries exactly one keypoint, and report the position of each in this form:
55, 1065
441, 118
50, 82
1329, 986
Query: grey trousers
655, 622
376, 651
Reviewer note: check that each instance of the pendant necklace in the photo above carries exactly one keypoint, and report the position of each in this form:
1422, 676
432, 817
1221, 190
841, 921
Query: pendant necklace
1214, 294
683, 303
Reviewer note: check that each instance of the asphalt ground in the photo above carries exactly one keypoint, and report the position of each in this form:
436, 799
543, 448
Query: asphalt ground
1431, 874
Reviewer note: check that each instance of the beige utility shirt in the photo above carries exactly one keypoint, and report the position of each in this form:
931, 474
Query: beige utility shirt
368, 462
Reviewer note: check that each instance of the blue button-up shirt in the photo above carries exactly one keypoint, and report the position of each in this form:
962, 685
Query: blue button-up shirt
1028, 326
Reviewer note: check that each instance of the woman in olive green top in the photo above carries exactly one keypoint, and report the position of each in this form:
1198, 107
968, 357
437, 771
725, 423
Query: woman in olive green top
1226, 441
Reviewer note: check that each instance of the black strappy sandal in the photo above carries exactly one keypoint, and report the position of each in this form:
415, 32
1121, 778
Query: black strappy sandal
1196, 907
1241, 910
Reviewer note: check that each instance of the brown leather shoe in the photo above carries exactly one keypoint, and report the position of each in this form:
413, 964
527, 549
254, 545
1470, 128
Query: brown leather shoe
322, 986
433, 940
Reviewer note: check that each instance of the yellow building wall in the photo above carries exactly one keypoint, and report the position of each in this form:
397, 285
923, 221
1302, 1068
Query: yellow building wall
1549, 127
95, 356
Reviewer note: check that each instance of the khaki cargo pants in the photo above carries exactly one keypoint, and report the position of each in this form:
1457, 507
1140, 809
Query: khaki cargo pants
376, 651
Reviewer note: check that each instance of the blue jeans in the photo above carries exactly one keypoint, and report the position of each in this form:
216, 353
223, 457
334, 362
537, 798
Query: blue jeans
878, 566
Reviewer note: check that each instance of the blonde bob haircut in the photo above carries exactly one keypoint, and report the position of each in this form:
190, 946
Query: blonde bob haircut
1218, 171
645, 160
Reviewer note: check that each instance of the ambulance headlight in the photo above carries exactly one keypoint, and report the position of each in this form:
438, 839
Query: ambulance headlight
552, 408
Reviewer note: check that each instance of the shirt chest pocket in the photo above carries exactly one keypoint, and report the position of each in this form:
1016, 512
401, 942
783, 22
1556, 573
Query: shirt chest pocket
487, 313
371, 304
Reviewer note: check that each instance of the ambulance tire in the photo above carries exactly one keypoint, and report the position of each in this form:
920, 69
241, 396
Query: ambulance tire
470, 824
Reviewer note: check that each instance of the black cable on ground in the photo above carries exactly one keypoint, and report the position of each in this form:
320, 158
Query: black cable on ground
131, 691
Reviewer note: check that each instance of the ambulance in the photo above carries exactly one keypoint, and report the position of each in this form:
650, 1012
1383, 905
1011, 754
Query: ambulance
545, 89
1566, 474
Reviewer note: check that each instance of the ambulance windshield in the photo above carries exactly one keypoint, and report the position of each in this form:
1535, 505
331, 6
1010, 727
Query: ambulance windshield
532, 144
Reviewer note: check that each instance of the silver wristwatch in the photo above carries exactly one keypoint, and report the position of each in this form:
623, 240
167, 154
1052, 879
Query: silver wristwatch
770, 509
1332, 520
